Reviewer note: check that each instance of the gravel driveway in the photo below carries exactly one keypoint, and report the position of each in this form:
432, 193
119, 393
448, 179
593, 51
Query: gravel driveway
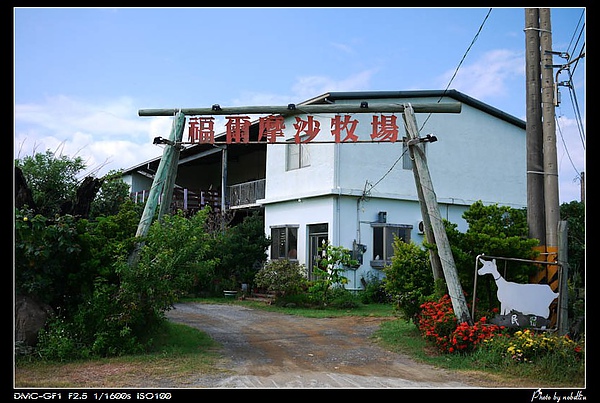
273, 350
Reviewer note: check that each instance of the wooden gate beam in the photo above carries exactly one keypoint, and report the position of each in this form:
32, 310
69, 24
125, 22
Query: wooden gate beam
292, 109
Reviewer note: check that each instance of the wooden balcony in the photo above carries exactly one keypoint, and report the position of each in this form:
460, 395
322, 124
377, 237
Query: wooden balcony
246, 194
238, 196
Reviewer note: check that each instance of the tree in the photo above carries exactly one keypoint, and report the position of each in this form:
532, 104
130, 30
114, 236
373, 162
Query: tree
244, 250
495, 231
112, 194
574, 214
52, 180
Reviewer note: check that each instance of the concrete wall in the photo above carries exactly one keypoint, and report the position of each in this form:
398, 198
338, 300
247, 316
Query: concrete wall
477, 157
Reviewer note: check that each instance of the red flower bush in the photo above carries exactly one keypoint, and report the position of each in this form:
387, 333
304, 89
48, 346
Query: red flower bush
438, 325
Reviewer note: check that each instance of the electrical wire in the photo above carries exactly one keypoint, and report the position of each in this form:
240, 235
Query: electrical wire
570, 68
442, 96
461, 62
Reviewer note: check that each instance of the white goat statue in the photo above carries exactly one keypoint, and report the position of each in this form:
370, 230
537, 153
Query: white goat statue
529, 299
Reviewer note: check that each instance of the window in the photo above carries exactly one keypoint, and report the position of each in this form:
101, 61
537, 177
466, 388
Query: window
383, 241
297, 156
284, 242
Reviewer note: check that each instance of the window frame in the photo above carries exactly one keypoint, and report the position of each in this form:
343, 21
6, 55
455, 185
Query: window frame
296, 155
290, 241
384, 246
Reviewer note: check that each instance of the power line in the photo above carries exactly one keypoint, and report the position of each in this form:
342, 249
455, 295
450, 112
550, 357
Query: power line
570, 68
443, 94
460, 63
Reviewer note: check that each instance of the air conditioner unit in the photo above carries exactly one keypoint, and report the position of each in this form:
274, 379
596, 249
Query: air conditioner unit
421, 228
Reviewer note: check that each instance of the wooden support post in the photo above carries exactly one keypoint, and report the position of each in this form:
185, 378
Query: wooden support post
434, 257
163, 176
172, 157
423, 180
563, 259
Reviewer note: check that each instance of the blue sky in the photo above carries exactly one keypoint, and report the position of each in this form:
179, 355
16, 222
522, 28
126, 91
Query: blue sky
82, 74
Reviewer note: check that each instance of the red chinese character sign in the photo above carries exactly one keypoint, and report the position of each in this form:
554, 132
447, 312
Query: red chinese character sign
271, 127
201, 130
306, 129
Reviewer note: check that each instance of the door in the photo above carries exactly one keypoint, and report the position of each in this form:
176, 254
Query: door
317, 237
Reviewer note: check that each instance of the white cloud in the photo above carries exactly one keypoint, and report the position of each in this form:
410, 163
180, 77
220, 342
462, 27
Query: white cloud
106, 135
307, 87
311, 86
342, 47
570, 150
487, 77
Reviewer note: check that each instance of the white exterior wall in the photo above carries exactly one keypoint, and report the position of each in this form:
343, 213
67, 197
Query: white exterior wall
477, 157
137, 182
349, 221
483, 158
316, 179
301, 212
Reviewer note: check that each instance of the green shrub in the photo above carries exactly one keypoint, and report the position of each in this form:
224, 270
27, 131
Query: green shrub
342, 298
374, 292
328, 273
282, 277
409, 279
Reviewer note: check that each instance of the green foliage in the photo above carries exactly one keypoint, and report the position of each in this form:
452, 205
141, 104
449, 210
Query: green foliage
529, 352
52, 180
82, 290
172, 259
574, 214
58, 342
282, 277
409, 279
111, 196
128, 302
342, 298
375, 291
329, 271
48, 259
439, 326
242, 251
495, 231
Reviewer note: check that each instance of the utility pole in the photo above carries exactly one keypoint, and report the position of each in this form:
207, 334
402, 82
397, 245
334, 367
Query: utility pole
552, 210
534, 136
429, 199
543, 210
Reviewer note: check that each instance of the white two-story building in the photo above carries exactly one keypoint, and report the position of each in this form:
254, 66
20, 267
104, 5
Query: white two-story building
360, 191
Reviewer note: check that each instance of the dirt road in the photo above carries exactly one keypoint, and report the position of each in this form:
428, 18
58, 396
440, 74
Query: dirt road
272, 350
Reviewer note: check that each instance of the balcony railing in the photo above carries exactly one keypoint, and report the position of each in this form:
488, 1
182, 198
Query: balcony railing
239, 195
247, 193
185, 199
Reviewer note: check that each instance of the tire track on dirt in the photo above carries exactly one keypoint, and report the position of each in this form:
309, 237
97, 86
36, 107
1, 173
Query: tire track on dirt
273, 350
